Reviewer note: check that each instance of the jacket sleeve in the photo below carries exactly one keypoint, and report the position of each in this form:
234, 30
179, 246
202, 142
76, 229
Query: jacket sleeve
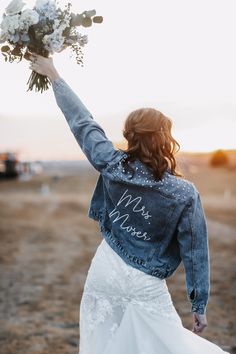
88, 133
193, 242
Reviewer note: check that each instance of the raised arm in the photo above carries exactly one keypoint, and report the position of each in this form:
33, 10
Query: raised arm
87, 132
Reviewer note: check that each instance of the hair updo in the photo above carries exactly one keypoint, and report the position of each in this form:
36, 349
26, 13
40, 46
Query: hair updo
148, 133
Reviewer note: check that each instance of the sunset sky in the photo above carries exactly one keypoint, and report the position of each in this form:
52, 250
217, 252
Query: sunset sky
177, 56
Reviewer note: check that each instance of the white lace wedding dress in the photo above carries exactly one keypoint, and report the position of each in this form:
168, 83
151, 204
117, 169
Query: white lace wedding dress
126, 311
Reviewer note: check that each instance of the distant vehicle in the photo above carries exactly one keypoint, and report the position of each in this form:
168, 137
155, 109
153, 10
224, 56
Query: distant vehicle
11, 167
8, 165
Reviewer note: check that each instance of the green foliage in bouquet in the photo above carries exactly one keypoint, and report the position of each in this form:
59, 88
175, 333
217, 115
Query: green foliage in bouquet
44, 30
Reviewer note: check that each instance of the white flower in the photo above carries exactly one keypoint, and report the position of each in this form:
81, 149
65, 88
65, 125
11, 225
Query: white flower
65, 22
54, 42
10, 24
24, 37
3, 37
14, 7
14, 37
46, 8
61, 25
82, 39
42, 3
28, 18
56, 23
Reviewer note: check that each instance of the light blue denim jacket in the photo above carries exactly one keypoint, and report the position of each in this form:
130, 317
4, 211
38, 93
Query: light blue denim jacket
153, 225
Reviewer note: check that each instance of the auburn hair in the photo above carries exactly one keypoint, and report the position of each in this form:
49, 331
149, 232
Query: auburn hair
148, 133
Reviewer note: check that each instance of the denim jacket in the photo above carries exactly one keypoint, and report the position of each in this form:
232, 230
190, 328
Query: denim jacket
153, 225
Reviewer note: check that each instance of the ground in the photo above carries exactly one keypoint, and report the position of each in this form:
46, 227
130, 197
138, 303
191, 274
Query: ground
47, 242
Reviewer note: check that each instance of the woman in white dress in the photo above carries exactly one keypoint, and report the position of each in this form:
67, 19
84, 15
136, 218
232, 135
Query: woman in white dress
151, 219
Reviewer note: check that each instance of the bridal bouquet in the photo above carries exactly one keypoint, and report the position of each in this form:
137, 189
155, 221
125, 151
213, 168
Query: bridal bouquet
44, 29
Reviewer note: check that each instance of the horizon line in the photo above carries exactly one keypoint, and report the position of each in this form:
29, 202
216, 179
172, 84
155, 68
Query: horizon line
84, 158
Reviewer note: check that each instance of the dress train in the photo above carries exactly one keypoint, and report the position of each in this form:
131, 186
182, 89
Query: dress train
126, 311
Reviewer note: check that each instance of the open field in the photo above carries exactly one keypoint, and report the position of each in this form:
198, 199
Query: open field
47, 242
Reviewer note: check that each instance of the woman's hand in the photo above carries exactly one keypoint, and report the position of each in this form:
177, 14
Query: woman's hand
199, 322
43, 66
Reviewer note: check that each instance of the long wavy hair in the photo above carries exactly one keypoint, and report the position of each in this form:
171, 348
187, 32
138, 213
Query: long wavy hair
148, 133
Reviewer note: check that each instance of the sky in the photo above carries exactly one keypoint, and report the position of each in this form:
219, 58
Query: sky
176, 56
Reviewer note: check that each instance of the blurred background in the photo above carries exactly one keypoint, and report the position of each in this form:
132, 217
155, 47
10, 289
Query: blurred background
178, 57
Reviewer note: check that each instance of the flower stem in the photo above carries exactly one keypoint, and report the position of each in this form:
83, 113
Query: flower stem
38, 82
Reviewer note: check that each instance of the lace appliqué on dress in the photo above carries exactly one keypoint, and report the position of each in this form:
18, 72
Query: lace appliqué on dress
112, 285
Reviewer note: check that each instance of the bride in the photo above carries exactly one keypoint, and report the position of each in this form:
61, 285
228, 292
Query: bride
151, 219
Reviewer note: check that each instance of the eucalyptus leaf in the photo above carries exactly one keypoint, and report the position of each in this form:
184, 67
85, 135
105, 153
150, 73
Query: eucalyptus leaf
17, 52
98, 19
77, 20
27, 55
5, 56
90, 13
86, 22
5, 48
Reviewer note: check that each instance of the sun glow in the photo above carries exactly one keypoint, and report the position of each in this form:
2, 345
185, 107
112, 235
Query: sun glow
178, 59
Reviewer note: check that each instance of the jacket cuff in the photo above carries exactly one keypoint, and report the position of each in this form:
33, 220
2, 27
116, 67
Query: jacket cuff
199, 308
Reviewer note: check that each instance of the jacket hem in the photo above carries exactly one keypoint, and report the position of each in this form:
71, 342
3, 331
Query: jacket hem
132, 260
201, 309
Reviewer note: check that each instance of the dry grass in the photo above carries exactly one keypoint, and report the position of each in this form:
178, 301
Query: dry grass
47, 243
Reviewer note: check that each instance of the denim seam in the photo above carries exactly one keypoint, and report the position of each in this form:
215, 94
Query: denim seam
192, 253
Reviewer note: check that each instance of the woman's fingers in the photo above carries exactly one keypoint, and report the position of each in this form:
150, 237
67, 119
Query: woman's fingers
32, 57
200, 322
35, 67
32, 66
35, 61
41, 65
33, 54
